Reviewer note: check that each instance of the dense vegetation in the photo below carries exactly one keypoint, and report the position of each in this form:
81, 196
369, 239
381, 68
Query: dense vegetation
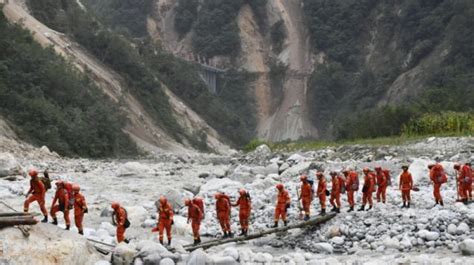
186, 15
345, 92
125, 16
51, 104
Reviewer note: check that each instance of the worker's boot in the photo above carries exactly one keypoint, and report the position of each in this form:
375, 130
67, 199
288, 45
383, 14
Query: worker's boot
441, 203
361, 208
338, 210
225, 235
370, 207
55, 221
275, 225
199, 240
404, 205
465, 201
242, 232
323, 212
333, 209
231, 235
126, 240
351, 209
285, 223
245, 232
81, 232
45, 219
68, 227
195, 242
408, 205
306, 218
161, 242
169, 242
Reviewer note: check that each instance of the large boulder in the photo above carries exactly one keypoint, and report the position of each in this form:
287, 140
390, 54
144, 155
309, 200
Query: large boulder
46, 244
123, 254
177, 197
199, 257
136, 215
214, 185
419, 171
133, 169
9, 165
467, 247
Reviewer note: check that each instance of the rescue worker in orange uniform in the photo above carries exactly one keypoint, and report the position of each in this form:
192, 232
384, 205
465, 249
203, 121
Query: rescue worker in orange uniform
80, 208
120, 220
382, 183
37, 193
336, 189
352, 186
437, 177
165, 219
245, 207
457, 168
62, 197
321, 191
223, 208
465, 180
306, 196
368, 189
405, 185
282, 205
195, 216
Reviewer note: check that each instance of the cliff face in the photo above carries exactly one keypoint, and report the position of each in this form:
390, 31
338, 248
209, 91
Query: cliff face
386, 67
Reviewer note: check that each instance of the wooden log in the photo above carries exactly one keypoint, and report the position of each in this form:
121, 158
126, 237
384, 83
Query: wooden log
13, 221
212, 243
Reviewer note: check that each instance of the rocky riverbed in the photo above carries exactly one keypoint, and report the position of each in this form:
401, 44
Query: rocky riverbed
422, 234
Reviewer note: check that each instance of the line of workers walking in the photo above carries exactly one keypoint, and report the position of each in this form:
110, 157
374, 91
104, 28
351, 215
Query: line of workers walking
69, 197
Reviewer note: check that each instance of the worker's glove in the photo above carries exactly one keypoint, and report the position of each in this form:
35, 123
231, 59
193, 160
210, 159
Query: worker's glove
155, 229
287, 205
172, 222
85, 210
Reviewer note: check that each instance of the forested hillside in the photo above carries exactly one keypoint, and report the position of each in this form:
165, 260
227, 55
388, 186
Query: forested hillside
51, 104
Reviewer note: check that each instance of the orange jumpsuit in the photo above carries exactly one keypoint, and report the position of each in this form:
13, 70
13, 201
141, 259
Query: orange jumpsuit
306, 196
38, 192
351, 187
195, 215
382, 182
165, 220
120, 217
223, 212
79, 207
405, 185
62, 196
280, 209
465, 181
436, 176
335, 199
245, 207
369, 182
321, 192
68, 187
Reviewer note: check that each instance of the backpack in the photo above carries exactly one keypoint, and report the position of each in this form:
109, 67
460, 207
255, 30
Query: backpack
343, 187
200, 203
46, 182
355, 184
440, 176
126, 223
386, 173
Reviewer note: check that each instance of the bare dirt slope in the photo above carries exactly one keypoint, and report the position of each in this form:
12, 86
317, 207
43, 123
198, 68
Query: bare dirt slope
140, 125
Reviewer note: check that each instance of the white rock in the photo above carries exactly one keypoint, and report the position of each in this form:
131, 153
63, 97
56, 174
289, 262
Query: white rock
284, 167
102, 262
324, 247
181, 227
467, 247
133, 169
136, 215
337, 240
167, 261
452, 229
299, 259
462, 228
263, 151
271, 169
214, 185
177, 197
391, 243
199, 257
295, 171
231, 252
9, 165
224, 261
123, 254
428, 235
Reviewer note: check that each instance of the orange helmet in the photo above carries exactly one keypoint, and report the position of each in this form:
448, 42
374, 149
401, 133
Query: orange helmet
303, 178
217, 195
280, 186
187, 202
115, 205
366, 169
378, 168
242, 192
457, 166
162, 200
76, 188
33, 172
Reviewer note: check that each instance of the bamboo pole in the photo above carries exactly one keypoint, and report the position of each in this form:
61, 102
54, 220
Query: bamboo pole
216, 242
